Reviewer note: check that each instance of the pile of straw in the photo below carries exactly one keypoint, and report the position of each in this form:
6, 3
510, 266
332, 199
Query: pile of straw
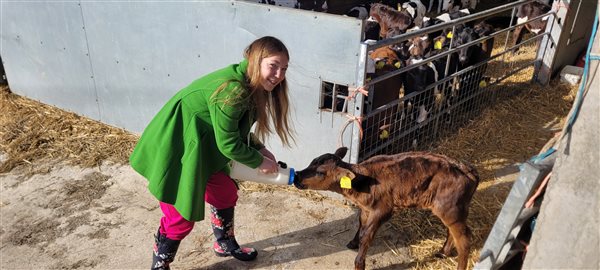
31, 131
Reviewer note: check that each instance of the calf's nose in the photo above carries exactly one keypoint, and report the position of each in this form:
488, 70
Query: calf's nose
298, 182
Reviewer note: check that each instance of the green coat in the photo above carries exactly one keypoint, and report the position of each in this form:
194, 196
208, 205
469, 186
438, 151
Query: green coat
194, 136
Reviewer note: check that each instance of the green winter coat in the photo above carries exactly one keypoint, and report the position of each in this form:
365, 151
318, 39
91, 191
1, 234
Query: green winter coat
194, 136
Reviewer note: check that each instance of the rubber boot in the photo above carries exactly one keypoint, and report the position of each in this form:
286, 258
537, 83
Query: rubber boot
226, 245
164, 251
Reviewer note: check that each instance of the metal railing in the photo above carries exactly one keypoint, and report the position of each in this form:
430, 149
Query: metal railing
398, 126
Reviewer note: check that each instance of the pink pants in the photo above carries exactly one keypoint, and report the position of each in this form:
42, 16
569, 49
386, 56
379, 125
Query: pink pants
221, 192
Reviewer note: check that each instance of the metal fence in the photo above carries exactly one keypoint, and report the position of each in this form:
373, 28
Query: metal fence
417, 120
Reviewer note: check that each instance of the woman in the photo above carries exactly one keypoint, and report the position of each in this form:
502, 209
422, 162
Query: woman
185, 149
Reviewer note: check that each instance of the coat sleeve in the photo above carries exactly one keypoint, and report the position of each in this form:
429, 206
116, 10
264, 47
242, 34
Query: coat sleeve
226, 114
254, 142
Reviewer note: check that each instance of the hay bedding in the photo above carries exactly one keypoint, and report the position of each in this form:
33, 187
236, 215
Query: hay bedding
31, 132
507, 133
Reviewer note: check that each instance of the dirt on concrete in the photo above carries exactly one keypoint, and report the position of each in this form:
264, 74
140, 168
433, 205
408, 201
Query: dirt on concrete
104, 218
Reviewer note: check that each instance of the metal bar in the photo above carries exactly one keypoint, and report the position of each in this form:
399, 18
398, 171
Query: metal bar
357, 108
333, 103
453, 50
321, 101
544, 43
539, 56
449, 49
491, 256
511, 27
442, 26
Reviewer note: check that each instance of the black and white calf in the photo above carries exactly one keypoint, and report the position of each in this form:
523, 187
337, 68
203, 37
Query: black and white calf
527, 12
417, 10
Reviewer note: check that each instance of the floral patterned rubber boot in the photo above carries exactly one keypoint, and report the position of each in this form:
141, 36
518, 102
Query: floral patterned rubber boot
164, 251
222, 224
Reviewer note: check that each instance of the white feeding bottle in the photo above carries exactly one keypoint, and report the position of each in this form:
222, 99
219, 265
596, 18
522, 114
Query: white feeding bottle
239, 171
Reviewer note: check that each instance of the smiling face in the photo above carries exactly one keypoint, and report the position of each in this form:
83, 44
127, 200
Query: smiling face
272, 70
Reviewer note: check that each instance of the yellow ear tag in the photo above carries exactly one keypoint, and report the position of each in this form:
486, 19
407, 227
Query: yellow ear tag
384, 134
437, 45
346, 182
398, 64
449, 35
482, 84
379, 65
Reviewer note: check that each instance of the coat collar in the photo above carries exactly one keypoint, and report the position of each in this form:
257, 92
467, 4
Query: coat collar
242, 67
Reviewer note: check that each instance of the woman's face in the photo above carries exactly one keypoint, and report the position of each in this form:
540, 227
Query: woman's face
272, 70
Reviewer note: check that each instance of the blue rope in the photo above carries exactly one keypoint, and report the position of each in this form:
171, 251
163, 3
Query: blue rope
577, 106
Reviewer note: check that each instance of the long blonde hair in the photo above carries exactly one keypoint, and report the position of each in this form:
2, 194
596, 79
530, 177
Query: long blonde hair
268, 105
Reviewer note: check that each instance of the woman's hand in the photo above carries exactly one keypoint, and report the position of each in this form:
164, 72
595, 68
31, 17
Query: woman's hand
266, 153
268, 166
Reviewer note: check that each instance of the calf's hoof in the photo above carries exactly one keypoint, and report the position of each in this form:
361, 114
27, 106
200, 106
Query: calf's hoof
441, 254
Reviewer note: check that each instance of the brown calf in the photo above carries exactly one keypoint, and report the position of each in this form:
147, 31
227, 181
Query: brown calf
388, 17
382, 183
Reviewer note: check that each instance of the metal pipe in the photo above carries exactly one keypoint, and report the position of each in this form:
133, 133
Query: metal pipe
442, 26
451, 50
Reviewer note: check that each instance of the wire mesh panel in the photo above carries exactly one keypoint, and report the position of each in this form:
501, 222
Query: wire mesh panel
442, 92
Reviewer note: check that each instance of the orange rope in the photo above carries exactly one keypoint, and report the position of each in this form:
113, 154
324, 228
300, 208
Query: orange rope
353, 91
351, 118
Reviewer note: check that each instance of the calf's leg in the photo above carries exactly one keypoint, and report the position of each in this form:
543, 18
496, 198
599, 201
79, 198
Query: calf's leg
517, 37
367, 233
455, 219
448, 245
461, 235
362, 219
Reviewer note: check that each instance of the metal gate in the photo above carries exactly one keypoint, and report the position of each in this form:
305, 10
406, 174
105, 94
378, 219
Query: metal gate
415, 121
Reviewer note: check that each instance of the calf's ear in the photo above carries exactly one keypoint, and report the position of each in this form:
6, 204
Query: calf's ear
348, 180
341, 152
342, 172
344, 178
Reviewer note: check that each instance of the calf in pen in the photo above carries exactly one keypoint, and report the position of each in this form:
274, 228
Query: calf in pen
388, 18
444, 82
385, 60
526, 12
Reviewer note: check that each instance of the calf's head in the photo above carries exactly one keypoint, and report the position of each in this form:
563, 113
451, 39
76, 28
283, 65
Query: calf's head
324, 172
463, 37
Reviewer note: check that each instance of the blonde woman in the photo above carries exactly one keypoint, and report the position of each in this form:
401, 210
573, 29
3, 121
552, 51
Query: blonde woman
184, 151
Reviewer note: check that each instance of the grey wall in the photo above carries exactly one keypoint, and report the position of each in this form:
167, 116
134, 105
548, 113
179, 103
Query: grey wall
566, 234
119, 62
